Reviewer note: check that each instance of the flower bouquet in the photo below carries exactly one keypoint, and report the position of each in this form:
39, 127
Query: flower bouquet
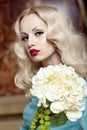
61, 96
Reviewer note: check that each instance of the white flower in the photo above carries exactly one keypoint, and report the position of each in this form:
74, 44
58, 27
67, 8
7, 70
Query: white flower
63, 87
73, 115
57, 107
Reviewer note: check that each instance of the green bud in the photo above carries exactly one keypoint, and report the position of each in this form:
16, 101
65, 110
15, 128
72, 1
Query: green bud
47, 111
41, 121
41, 115
48, 128
35, 120
32, 127
47, 118
42, 127
47, 123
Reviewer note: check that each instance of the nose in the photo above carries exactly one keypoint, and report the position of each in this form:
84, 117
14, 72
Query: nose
31, 42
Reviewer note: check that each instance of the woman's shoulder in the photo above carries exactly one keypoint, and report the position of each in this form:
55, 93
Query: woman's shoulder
83, 120
32, 102
29, 110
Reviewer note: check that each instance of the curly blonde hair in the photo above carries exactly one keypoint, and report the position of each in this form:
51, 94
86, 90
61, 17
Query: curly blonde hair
71, 45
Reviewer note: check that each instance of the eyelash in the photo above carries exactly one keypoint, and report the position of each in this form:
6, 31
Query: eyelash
39, 33
24, 38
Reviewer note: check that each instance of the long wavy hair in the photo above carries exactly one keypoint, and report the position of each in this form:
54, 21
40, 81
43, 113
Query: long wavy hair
70, 45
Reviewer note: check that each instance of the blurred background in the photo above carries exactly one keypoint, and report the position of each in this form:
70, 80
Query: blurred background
12, 99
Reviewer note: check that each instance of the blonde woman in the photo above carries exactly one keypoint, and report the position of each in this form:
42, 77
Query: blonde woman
45, 37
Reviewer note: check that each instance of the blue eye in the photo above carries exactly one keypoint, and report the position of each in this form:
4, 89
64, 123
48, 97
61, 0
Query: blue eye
25, 38
39, 33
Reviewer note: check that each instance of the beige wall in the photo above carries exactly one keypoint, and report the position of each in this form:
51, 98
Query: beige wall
11, 109
11, 124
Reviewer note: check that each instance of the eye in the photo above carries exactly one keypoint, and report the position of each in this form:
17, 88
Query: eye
25, 38
39, 33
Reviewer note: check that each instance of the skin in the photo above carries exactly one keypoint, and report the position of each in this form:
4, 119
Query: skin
33, 35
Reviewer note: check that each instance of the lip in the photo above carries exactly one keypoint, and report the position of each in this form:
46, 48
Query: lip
34, 52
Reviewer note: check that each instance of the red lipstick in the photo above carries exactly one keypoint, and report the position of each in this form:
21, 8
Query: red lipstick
34, 52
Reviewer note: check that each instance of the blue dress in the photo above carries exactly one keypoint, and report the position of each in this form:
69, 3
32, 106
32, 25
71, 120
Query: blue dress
31, 109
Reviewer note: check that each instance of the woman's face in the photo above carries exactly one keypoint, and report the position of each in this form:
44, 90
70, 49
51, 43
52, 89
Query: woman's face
33, 35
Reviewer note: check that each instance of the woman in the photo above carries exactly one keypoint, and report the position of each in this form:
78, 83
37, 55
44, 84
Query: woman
45, 37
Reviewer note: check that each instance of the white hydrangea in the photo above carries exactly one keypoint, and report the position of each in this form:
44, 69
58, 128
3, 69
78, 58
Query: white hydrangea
63, 87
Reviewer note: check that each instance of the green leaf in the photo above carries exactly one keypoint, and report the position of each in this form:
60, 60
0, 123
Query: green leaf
58, 119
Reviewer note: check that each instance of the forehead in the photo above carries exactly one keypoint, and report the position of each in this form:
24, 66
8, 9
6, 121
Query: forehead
31, 21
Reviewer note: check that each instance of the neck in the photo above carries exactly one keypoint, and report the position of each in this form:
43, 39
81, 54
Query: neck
52, 60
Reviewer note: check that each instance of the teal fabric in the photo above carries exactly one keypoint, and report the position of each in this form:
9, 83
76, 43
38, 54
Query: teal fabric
31, 109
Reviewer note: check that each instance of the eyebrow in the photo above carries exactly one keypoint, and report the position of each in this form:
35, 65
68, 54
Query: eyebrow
32, 30
35, 28
24, 33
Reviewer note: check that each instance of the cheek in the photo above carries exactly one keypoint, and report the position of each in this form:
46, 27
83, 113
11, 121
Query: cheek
49, 49
51, 46
26, 48
43, 40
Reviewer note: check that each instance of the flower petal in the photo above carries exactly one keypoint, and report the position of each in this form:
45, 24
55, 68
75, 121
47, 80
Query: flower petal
56, 107
73, 115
